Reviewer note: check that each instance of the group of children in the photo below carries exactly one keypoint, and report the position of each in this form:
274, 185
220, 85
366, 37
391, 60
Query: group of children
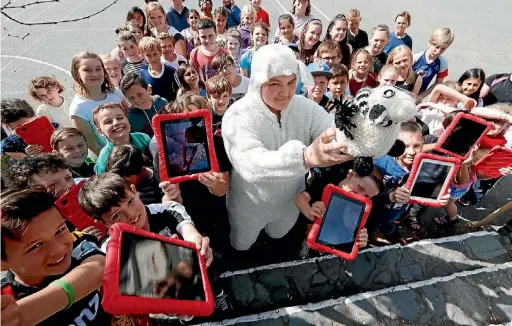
184, 60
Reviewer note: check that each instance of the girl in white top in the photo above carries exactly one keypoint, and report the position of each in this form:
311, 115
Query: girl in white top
93, 88
157, 23
301, 13
54, 106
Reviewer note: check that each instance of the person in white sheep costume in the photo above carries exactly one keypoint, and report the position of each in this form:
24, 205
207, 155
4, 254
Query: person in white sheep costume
370, 122
272, 138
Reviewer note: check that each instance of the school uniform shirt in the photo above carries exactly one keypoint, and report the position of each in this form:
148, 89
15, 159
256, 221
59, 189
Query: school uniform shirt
82, 108
88, 310
203, 63
239, 91
165, 84
428, 70
379, 61
85, 170
56, 114
137, 139
355, 85
395, 41
164, 219
500, 89
357, 41
177, 19
176, 63
14, 144
262, 16
133, 67
140, 120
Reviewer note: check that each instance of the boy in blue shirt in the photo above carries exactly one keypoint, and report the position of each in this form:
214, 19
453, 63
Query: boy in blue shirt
429, 64
177, 15
233, 13
399, 36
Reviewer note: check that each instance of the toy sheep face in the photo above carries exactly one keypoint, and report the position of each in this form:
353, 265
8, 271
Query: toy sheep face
386, 105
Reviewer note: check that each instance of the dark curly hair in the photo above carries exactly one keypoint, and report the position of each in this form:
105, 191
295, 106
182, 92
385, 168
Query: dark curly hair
19, 175
14, 109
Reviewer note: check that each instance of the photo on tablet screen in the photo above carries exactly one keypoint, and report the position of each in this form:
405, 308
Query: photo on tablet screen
186, 146
464, 136
430, 179
340, 223
155, 269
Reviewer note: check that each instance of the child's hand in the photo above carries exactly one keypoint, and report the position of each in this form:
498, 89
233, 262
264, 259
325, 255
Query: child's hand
506, 171
11, 315
443, 201
210, 179
400, 195
362, 238
33, 149
317, 211
470, 103
93, 231
171, 190
203, 244
424, 105
471, 156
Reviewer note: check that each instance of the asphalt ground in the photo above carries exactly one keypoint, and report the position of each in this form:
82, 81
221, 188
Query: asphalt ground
482, 39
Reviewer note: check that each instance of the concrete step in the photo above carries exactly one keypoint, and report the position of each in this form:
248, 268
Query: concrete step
482, 296
268, 289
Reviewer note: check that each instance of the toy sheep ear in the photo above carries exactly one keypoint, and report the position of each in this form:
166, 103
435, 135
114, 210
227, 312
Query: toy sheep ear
397, 149
377, 115
363, 165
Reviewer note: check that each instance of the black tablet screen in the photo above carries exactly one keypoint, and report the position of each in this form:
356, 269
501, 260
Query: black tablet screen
340, 223
463, 137
186, 146
430, 179
155, 269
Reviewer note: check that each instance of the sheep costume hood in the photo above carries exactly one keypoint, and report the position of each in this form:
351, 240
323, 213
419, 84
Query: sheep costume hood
267, 153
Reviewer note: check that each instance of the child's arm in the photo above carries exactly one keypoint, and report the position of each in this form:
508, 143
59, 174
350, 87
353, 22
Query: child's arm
90, 136
189, 233
84, 279
171, 192
302, 202
417, 85
439, 90
181, 48
491, 113
217, 183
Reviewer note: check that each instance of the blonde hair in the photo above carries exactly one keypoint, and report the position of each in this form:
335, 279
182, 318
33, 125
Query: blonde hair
403, 50
152, 6
388, 68
247, 9
353, 13
63, 133
184, 102
106, 86
380, 28
406, 15
442, 37
148, 44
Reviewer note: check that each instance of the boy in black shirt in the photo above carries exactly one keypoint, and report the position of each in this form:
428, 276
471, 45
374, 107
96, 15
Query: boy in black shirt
54, 275
357, 38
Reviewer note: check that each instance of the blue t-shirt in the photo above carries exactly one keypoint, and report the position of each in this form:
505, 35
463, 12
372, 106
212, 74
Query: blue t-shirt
137, 139
177, 20
437, 68
234, 14
166, 84
395, 41
246, 61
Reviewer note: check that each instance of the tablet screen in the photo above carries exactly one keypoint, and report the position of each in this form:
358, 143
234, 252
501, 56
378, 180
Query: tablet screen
463, 137
430, 178
340, 223
155, 269
186, 146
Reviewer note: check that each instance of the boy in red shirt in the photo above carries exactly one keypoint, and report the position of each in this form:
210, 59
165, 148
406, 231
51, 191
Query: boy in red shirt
202, 56
261, 15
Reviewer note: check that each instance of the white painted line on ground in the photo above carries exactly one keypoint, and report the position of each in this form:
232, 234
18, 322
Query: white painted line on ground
14, 57
320, 11
31, 19
44, 34
358, 297
84, 29
280, 6
455, 238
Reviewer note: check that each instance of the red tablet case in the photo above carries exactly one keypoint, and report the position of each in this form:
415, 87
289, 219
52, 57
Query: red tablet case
315, 230
498, 157
157, 121
115, 303
68, 206
450, 128
415, 169
37, 132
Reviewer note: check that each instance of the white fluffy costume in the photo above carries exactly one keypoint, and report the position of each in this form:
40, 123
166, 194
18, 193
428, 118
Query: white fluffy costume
267, 154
